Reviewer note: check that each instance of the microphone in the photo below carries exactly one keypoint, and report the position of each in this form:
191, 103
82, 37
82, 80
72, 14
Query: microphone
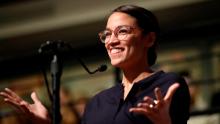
101, 68
55, 45
50, 45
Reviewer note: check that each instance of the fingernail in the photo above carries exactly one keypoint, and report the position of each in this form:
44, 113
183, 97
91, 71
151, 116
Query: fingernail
139, 104
157, 89
145, 98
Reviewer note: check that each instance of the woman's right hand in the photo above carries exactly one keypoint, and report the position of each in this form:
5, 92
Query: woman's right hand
36, 111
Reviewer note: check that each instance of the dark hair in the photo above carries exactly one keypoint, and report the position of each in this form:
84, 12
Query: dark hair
145, 20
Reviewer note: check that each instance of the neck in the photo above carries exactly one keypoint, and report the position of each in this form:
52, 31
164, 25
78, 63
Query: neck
135, 75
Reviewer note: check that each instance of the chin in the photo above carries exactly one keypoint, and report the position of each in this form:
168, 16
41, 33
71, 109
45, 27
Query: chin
117, 64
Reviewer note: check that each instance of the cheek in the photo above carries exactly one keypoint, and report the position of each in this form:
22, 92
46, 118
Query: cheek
134, 43
136, 47
132, 50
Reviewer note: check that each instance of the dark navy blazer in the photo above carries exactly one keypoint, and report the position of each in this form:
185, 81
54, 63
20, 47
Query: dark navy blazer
108, 107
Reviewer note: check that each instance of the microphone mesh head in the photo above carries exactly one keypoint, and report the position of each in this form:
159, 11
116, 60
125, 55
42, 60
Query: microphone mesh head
102, 68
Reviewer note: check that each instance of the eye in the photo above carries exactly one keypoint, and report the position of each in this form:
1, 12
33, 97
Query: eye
123, 30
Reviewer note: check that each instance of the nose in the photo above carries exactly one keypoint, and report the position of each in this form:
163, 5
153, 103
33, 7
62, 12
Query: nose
113, 39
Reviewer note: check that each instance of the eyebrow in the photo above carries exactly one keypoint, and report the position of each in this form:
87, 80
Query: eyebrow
116, 27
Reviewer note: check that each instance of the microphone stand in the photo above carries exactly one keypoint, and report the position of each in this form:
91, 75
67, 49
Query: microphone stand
56, 72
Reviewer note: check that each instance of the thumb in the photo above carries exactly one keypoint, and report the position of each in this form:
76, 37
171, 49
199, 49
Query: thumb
172, 89
34, 97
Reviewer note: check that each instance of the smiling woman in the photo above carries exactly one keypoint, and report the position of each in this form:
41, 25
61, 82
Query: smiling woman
130, 40
144, 96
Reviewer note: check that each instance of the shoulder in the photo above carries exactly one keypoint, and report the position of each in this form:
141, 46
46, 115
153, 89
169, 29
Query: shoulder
169, 78
165, 79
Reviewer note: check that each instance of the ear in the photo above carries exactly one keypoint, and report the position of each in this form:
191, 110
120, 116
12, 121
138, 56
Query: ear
149, 39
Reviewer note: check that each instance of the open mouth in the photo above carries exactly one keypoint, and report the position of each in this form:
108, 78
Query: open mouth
116, 50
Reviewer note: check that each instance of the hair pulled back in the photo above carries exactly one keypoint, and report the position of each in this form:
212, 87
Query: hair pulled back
147, 21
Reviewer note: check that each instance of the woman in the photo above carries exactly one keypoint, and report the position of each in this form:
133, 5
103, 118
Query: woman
144, 96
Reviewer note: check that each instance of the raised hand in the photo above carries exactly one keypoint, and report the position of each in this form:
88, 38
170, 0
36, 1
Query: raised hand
36, 111
157, 110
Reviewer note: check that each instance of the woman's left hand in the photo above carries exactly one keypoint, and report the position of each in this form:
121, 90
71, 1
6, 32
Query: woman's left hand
157, 110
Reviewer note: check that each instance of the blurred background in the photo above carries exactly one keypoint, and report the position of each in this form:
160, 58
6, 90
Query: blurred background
189, 45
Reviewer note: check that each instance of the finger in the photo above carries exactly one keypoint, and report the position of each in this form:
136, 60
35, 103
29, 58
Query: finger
172, 89
147, 110
143, 105
158, 94
139, 110
34, 97
14, 100
14, 104
6, 95
147, 99
12, 94
9, 91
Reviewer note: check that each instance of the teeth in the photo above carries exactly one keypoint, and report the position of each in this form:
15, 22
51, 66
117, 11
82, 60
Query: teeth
115, 50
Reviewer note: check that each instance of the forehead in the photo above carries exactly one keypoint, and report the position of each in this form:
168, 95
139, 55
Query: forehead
118, 18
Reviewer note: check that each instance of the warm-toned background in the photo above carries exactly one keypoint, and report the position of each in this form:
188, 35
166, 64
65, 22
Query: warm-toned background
189, 45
